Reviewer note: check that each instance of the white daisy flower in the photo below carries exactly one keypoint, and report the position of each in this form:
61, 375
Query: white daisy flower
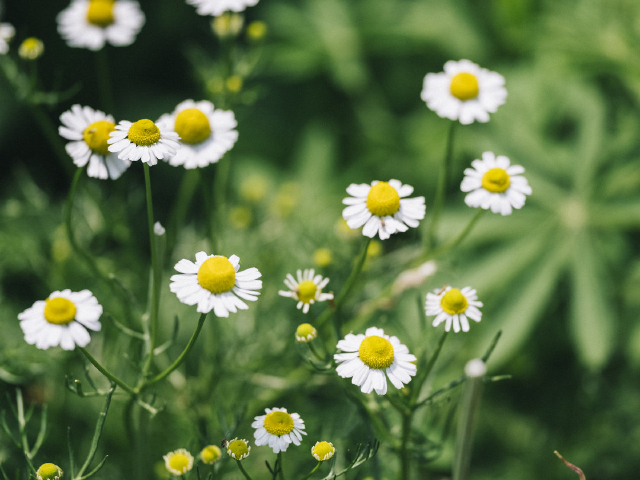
494, 183
382, 208
307, 289
143, 140
6, 34
92, 23
455, 306
178, 462
205, 134
278, 429
62, 319
214, 282
89, 130
464, 92
238, 449
218, 7
367, 357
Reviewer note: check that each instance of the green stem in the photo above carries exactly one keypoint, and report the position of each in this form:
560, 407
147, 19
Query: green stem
23, 430
461, 236
348, 286
280, 471
312, 471
186, 190
315, 352
107, 373
441, 188
182, 356
244, 472
156, 272
104, 80
405, 460
422, 377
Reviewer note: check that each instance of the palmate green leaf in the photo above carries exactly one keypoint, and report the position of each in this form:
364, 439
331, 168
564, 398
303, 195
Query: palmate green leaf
593, 320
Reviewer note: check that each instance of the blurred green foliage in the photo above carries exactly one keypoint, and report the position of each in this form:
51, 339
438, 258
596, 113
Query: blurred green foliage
330, 97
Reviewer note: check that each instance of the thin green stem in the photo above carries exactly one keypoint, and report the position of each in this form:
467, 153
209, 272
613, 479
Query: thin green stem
244, 472
106, 372
405, 459
441, 188
280, 471
312, 471
104, 80
97, 433
182, 356
23, 430
315, 352
186, 190
49, 130
416, 386
461, 236
348, 286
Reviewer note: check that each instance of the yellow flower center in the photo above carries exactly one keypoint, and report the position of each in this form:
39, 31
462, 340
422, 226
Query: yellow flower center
238, 448
496, 180
59, 311
376, 352
217, 274
306, 291
144, 133
383, 200
454, 302
278, 423
323, 451
210, 454
97, 134
179, 462
100, 12
192, 125
31, 48
306, 329
49, 471
464, 86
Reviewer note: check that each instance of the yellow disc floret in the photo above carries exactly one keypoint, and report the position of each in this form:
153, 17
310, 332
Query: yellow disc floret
278, 423
454, 302
97, 134
306, 291
464, 86
59, 311
323, 451
100, 12
179, 462
192, 125
496, 180
217, 274
383, 200
238, 449
31, 48
306, 332
376, 352
49, 471
211, 454
144, 133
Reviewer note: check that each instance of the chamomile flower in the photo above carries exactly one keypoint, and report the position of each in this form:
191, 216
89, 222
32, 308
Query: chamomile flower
494, 183
49, 471
62, 319
453, 306
89, 130
92, 23
307, 289
322, 451
238, 449
178, 462
306, 332
218, 7
367, 357
211, 454
382, 208
464, 92
278, 429
205, 134
143, 140
215, 283
6, 34
31, 48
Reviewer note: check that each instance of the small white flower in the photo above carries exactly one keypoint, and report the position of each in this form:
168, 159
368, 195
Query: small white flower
322, 451
454, 306
214, 282
178, 462
62, 319
143, 140
307, 289
464, 92
367, 357
278, 429
382, 208
158, 229
6, 34
306, 333
218, 7
89, 130
205, 134
238, 449
92, 23
494, 183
